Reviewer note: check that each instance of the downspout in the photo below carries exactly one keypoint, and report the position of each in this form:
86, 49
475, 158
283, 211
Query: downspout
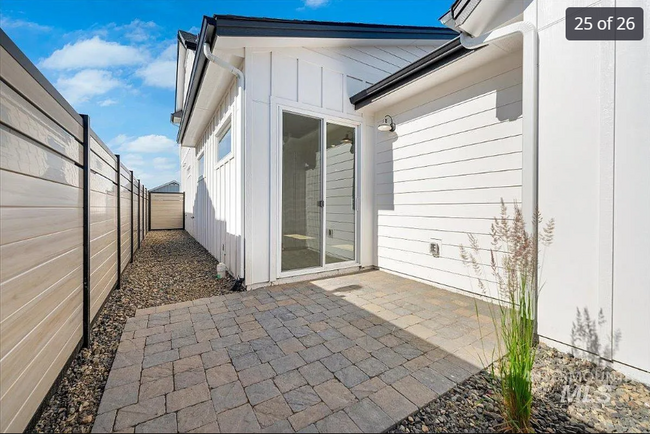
530, 95
240, 86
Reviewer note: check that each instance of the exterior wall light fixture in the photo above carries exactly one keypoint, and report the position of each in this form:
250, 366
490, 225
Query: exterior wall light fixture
387, 124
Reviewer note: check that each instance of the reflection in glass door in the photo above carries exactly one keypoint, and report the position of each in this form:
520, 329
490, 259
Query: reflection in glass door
302, 202
318, 209
339, 194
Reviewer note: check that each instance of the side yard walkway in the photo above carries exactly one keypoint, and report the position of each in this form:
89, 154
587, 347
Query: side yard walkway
354, 353
170, 267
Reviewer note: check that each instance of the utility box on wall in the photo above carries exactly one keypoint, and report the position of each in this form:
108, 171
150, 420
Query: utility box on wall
434, 247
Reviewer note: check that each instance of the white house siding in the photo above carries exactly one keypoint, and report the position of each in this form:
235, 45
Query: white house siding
593, 179
213, 204
441, 175
317, 79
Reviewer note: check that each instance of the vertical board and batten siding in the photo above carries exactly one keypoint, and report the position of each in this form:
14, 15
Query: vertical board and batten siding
456, 152
320, 80
213, 203
166, 211
41, 236
594, 180
188, 186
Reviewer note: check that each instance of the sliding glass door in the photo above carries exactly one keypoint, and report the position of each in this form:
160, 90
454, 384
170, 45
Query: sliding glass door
340, 213
318, 209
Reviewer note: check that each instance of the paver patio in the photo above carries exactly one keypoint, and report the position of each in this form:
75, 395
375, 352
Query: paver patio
355, 353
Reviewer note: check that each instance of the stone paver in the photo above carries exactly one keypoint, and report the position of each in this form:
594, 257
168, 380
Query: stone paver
228, 396
196, 416
352, 353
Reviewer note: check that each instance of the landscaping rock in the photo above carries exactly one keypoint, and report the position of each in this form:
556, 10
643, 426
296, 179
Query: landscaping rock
607, 401
170, 267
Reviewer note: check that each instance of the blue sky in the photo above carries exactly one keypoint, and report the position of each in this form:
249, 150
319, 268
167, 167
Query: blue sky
115, 59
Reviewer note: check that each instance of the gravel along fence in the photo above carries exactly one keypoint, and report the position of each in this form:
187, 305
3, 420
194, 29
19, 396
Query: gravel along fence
170, 267
570, 395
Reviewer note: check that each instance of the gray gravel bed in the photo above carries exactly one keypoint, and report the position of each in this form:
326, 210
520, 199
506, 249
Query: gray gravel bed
170, 267
607, 401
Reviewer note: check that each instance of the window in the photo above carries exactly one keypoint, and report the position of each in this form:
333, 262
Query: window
225, 146
201, 167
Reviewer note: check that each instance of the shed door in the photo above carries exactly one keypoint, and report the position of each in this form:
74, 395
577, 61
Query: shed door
166, 211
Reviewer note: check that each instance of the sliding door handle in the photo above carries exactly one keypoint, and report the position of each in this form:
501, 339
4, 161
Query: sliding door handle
321, 203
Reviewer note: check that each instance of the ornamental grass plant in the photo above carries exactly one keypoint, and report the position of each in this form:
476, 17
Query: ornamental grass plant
515, 262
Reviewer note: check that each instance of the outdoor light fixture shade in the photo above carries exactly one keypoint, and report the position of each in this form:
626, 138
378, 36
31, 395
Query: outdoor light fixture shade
346, 140
387, 124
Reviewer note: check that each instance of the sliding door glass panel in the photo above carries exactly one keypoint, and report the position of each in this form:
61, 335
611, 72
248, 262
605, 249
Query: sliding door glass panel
302, 204
339, 194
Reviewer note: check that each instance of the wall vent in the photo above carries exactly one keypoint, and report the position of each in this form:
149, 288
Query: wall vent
434, 249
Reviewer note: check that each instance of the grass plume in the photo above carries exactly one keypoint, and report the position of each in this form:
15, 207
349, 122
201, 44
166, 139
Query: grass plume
514, 269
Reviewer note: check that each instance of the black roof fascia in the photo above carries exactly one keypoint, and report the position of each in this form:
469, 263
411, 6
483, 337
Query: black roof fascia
187, 39
207, 35
232, 25
442, 56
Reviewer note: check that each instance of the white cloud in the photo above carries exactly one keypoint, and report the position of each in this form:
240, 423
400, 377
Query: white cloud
85, 84
8, 23
94, 53
107, 102
146, 144
315, 3
164, 164
162, 71
132, 161
137, 30
152, 172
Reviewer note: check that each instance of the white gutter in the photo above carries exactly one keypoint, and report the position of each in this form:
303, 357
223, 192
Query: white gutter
530, 95
240, 85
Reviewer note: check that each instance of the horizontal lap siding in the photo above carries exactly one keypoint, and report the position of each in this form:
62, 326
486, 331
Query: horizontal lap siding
41, 251
441, 175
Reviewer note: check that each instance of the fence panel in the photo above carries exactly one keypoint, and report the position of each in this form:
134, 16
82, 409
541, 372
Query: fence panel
166, 210
103, 224
41, 247
49, 289
125, 210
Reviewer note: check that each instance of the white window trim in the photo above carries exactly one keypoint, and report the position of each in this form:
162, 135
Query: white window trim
198, 165
222, 128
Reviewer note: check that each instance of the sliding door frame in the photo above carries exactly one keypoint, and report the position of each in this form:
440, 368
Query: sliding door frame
325, 117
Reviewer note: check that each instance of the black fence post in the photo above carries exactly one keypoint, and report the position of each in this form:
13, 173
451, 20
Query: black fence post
139, 206
119, 223
86, 231
131, 226
149, 212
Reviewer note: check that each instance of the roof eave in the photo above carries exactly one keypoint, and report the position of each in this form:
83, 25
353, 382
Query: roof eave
206, 35
444, 55
231, 25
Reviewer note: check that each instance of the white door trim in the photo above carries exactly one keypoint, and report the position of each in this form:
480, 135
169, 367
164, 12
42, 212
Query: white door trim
278, 105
